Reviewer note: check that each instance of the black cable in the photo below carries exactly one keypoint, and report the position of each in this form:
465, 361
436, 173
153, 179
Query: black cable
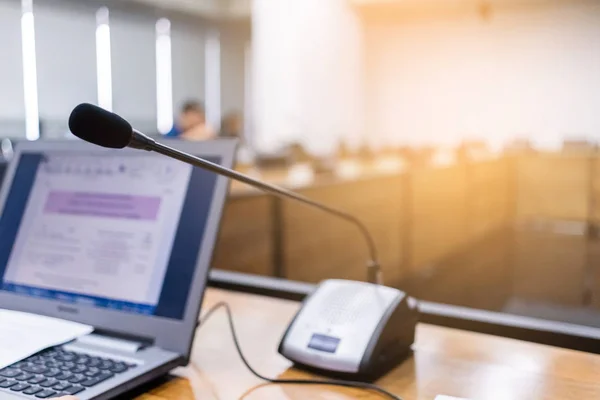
329, 382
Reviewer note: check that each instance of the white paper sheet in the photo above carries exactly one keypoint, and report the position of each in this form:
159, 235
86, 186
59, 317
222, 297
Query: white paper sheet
442, 397
23, 334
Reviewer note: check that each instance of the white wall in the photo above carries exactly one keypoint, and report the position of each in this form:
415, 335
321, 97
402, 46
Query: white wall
133, 43
307, 73
528, 71
233, 48
188, 63
12, 104
66, 63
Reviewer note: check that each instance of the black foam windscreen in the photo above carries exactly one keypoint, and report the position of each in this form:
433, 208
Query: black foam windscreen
99, 126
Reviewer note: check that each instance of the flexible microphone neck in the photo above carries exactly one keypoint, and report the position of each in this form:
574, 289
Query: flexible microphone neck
141, 141
104, 128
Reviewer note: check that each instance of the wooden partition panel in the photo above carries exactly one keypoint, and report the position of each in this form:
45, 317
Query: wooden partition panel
317, 246
553, 186
246, 241
489, 197
595, 191
550, 269
438, 214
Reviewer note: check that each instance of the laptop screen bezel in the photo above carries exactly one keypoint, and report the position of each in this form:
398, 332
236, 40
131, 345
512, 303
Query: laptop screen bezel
170, 334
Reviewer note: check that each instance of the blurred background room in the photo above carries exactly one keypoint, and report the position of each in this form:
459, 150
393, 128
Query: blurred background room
463, 132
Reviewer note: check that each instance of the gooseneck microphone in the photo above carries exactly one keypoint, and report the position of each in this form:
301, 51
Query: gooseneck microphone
104, 128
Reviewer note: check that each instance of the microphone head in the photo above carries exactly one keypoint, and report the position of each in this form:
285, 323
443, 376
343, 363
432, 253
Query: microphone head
98, 126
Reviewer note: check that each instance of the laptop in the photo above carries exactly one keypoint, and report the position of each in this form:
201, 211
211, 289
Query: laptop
2, 171
121, 240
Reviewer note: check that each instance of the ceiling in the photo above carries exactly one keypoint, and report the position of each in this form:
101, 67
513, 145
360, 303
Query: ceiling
241, 9
447, 3
217, 9
394, 8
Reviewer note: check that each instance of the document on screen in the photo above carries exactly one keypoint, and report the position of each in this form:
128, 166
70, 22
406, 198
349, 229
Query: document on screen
99, 230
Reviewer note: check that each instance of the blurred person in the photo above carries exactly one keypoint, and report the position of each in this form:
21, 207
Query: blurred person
191, 123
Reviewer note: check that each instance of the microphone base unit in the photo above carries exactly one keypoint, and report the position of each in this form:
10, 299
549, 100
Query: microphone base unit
351, 330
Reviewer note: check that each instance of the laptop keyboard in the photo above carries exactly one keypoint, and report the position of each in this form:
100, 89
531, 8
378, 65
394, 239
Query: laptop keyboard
56, 372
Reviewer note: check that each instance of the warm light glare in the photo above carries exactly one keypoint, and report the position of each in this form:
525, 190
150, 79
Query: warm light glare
213, 79
164, 78
103, 60
32, 119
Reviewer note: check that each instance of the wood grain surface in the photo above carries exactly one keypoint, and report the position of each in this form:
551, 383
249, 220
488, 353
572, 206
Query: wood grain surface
445, 361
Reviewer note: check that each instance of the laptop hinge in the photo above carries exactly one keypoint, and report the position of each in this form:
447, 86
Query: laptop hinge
110, 343
144, 340
120, 344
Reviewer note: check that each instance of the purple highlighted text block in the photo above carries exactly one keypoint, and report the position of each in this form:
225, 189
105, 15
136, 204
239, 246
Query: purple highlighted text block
103, 205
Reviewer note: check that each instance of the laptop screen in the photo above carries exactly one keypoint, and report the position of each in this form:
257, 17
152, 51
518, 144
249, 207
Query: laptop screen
120, 231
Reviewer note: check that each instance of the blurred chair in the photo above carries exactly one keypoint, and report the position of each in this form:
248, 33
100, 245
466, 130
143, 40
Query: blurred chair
279, 160
421, 157
408, 154
302, 169
519, 146
366, 153
232, 126
389, 160
578, 146
298, 154
473, 150
444, 157
344, 152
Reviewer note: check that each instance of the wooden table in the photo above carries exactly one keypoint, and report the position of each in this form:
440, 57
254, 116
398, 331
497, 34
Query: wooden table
445, 361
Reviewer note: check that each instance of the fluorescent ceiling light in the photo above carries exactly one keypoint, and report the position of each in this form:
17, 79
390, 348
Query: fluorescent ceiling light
32, 118
164, 78
103, 59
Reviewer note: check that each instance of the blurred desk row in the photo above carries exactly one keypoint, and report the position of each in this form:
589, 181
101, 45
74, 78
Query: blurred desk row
417, 217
